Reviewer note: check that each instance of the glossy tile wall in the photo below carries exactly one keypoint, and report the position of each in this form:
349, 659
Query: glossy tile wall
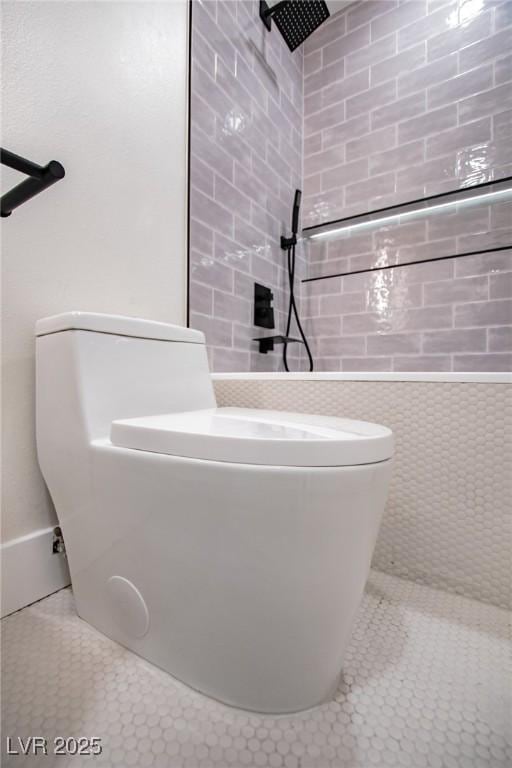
405, 100
402, 101
246, 161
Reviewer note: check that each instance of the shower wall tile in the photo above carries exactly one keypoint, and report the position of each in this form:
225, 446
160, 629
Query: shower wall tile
423, 174
397, 100
419, 78
389, 23
201, 238
462, 29
422, 363
400, 109
342, 89
493, 263
395, 158
503, 70
340, 133
456, 88
338, 346
484, 103
416, 84
341, 305
313, 62
451, 223
325, 76
501, 215
405, 61
206, 270
394, 344
419, 319
385, 138
203, 297
461, 289
426, 26
363, 13
357, 169
348, 364
472, 340
488, 48
488, 362
500, 286
246, 162
433, 113
500, 339
503, 14
418, 127
449, 143
332, 31
227, 306
367, 100
370, 189
226, 359
484, 313
343, 46
370, 54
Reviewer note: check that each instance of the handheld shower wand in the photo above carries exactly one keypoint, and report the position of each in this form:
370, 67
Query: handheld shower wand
288, 244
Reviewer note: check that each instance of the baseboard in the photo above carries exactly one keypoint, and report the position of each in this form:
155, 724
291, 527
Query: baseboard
30, 570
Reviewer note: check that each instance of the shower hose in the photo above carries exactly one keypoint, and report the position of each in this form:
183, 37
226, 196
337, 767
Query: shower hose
292, 310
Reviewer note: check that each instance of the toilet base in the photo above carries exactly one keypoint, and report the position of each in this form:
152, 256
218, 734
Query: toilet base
242, 581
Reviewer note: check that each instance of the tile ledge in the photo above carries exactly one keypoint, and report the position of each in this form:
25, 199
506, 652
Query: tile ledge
449, 378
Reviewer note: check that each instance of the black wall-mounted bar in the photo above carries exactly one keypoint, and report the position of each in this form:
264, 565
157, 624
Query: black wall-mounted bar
40, 178
409, 263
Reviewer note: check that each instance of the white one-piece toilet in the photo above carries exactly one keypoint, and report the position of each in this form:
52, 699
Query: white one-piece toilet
228, 546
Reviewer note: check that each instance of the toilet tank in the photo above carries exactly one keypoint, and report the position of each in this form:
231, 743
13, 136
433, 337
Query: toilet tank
93, 368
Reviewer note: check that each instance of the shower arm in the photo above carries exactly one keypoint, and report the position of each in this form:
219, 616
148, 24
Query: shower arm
266, 13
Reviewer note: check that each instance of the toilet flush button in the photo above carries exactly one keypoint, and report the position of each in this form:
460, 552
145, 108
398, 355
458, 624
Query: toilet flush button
129, 610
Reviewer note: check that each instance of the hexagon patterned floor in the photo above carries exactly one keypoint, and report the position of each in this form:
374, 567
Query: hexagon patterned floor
426, 683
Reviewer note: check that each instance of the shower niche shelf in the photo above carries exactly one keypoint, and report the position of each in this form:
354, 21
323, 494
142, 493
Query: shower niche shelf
455, 201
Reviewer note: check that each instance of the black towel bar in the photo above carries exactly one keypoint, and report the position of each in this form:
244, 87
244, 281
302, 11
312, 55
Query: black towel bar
40, 177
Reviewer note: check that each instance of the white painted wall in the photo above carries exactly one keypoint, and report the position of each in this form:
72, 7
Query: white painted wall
101, 87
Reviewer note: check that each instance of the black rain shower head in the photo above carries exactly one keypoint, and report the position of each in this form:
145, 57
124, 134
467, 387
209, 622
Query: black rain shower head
295, 19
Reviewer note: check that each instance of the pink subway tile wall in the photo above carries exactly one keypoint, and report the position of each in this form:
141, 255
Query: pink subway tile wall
246, 162
403, 100
386, 102
453, 315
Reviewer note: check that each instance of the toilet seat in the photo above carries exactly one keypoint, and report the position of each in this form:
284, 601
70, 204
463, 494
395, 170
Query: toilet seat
253, 436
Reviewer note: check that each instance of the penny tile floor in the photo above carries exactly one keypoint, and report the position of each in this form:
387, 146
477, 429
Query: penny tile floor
426, 682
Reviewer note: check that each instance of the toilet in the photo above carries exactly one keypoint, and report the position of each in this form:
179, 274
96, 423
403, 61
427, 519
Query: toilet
228, 546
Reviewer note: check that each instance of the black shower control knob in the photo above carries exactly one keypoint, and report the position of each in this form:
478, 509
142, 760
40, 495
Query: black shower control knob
263, 311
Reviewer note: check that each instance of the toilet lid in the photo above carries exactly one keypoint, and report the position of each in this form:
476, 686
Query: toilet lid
252, 436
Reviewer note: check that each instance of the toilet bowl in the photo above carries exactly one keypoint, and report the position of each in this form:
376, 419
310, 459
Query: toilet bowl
228, 546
